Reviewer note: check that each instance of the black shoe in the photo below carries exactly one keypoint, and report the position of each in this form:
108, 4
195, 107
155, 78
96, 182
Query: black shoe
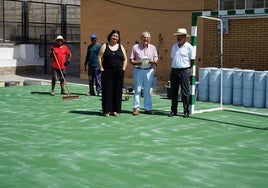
186, 115
150, 112
172, 114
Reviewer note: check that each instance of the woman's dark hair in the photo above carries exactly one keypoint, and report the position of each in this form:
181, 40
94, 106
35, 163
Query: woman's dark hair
113, 32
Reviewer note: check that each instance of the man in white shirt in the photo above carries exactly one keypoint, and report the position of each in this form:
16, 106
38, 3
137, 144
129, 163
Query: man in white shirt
182, 56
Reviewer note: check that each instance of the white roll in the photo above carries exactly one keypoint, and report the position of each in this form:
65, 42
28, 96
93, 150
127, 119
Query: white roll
203, 84
259, 89
237, 87
248, 81
227, 87
214, 84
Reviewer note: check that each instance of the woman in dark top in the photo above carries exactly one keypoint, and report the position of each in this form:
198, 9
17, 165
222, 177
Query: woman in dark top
112, 62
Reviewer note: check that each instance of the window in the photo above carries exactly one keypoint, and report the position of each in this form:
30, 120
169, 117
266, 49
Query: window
256, 3
242, 4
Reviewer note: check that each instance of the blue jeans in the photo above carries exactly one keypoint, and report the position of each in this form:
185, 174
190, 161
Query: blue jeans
143, 79
94, 75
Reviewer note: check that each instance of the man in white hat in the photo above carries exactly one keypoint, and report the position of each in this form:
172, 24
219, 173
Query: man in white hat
182, 56
61, 55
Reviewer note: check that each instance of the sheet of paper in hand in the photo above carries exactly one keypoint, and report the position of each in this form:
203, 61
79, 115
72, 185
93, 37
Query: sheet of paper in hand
145, 63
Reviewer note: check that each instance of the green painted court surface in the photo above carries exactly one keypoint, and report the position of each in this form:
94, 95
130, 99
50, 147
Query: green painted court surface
49, 142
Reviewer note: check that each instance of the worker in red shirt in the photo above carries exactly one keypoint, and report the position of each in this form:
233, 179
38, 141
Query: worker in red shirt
61, 55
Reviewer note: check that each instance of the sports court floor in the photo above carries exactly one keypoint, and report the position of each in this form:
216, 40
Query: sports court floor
49, 142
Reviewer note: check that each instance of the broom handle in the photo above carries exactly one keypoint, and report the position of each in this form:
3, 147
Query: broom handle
65, 83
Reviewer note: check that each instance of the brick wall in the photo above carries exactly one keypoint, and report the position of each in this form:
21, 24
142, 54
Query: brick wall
210, 4
245, 47
131, 18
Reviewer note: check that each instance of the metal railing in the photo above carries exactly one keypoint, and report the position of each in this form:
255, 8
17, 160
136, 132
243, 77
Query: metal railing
26, 21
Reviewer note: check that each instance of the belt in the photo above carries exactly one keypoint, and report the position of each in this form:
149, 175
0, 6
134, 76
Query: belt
181, 68
142, 68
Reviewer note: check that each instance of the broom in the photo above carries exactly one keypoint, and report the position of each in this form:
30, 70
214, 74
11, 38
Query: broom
68, 96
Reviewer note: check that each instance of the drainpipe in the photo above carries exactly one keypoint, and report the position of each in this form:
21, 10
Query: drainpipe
3, 16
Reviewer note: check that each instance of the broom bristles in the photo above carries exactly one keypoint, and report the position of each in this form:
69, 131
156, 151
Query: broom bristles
70, 97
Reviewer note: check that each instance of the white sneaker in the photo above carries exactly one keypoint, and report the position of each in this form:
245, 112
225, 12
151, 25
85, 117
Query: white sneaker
52, 93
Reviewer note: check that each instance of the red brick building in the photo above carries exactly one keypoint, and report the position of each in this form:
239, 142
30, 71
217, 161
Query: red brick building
245, 46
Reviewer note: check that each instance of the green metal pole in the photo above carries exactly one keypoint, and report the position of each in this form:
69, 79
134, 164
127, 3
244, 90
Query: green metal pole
194, 44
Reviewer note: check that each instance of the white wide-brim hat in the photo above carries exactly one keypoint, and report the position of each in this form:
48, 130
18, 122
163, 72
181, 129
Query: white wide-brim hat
181, 31
59, 37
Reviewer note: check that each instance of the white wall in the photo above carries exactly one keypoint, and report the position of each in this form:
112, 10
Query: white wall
26, 56
20, 55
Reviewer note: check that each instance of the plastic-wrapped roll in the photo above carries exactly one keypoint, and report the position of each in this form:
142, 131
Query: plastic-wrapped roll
203, 84
248, 81
237, 87
259, 89
214, 84
227, 86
